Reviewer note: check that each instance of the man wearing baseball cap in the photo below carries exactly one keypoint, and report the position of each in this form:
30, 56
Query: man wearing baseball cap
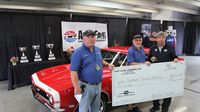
86, 73
136, 56
161, 52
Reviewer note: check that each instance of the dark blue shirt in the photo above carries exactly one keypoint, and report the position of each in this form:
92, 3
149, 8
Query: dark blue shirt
135, 55
88, 64
167, 54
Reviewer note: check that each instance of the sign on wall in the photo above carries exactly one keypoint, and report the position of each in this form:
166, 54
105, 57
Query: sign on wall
72, 34
146, 28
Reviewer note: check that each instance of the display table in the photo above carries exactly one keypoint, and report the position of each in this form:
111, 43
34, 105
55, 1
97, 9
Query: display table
20, 74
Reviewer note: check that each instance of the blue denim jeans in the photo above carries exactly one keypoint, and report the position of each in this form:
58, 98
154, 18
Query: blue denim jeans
91, 96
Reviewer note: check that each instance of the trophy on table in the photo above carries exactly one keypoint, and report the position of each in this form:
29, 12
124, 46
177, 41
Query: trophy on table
23, 58
51, 55
37, 56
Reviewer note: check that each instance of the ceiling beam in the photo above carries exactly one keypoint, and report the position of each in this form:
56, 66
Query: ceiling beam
159, 5
191, 2
73, 9
115, 5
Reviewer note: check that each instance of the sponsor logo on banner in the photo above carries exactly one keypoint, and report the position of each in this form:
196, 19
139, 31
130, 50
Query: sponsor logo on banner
70, 36
101, 36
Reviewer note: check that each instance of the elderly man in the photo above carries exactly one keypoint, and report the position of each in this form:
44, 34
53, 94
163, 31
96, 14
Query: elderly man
136, 56
161, 52
86, 73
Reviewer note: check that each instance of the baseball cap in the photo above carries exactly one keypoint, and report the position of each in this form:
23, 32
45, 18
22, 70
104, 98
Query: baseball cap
160, 33
137, 36
89, 32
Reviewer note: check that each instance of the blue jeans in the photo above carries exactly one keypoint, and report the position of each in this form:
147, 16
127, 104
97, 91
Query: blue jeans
91, 96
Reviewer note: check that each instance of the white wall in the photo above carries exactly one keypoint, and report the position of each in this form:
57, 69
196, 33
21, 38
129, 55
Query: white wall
171, 16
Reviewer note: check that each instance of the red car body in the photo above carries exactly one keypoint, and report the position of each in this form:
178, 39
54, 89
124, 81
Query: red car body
53, 86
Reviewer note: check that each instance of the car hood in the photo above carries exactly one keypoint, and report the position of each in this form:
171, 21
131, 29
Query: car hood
58, 77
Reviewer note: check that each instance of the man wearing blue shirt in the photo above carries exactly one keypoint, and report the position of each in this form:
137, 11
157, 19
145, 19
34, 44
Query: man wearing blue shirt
136, 53
136, 56
86, 73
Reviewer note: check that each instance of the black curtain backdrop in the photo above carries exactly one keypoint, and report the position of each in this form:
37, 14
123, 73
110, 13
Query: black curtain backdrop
179, 26
197, 43
7, 43
134, 27
26, 29
34, 29
116, 26
192, 39
117, 31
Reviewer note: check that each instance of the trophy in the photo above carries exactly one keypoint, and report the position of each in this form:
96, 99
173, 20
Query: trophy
23, 58
51, 55
37, 56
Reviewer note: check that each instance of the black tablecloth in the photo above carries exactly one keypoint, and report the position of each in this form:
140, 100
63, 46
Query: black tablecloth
20, 74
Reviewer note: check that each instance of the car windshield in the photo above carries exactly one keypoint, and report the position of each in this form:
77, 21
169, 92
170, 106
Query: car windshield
120, 60
109, 57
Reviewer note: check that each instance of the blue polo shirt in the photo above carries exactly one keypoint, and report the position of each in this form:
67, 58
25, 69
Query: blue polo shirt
88, 64
135, 55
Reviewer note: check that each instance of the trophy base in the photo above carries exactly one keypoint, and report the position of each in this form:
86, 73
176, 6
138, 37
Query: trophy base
24, 61
24, 58
51, 58
38, 59
51, 55
37, 56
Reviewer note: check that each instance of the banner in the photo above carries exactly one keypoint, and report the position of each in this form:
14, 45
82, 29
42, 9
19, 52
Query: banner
141, 83
72, 34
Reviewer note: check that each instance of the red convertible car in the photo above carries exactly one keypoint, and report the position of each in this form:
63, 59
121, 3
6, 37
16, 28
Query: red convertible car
53, 86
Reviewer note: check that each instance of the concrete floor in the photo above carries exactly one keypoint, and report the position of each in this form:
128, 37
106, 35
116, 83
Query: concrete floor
21, 99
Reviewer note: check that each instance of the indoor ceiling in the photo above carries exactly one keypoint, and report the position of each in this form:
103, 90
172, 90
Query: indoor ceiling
125, 8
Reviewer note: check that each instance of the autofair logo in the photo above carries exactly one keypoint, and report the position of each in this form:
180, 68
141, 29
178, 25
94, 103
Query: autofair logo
100, 36
70, 36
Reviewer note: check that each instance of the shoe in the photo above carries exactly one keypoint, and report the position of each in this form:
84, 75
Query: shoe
154, 109
136, 109
129, 111
166, 110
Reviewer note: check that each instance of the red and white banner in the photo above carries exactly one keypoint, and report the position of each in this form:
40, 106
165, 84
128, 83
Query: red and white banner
72, 34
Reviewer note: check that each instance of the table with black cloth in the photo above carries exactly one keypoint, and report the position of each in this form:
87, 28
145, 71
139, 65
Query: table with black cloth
20, 74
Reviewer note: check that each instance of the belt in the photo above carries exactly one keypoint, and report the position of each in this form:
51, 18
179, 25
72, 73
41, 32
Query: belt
89, 83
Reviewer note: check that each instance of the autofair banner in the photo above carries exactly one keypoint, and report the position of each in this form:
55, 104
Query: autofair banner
72, 34
141, 83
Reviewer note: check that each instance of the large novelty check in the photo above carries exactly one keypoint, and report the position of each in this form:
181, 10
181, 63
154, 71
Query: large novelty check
140, 83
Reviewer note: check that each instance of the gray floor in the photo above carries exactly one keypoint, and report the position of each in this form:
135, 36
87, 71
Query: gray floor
21, 100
